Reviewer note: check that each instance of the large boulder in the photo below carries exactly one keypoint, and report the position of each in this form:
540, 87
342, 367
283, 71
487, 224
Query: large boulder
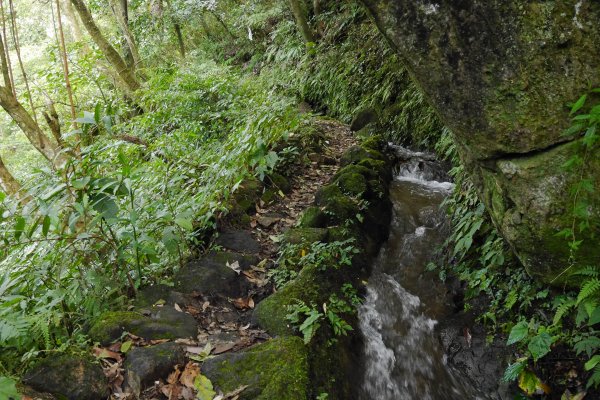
144, 365
500, 74
68, 377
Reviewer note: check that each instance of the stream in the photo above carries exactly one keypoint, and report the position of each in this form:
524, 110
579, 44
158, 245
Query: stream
403, 357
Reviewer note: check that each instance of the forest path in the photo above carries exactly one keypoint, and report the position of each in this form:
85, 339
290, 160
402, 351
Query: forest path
220, 289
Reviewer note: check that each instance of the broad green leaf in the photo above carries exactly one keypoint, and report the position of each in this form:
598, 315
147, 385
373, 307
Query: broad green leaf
80, 184
88, 118
204, 387
592, 362
19, 227
539, 346
8, 389
184, 223
518, 333
46, 225
513, 371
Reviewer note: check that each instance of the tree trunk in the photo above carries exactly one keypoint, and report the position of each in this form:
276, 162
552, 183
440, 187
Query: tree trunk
31, 130
500, 74
125, 74
15, 35
7, 182
299, 12
65, 64
121, 12
180, 41
6, 65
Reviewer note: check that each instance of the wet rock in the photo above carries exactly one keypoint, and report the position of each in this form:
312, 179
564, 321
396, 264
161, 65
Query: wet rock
275, 370
238, 241
266, 222
352, 183
363, 118
280, 182
69, 377
144, 365
151, 324
161, 294
211, 275
355, 154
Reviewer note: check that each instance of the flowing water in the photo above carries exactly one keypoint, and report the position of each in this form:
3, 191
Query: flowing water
403, 357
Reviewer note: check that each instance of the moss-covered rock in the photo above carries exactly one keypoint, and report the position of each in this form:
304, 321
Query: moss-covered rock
326, 193
525, 61
68, 377
356, 154
374, 142
145, 365
305, 235
279, 182
313, 217
274, 370
363, 118
357, 169
150, 323
352, 183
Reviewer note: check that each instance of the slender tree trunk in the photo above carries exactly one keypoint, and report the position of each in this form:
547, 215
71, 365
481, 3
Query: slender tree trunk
121, 12
65, 64
180, 41
73, 22
32, 131
300, 14
7, 182
8, 77
5, 65
15, 35
125, 74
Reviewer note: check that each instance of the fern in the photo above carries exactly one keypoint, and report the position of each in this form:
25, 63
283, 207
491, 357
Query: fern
563, 308
588, 345
594, 379
589, 288
589, 271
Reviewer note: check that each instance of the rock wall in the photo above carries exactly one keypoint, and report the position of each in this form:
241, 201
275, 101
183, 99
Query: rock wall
500, 74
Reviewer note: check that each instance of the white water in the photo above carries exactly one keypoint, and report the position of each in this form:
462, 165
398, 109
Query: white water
403, 359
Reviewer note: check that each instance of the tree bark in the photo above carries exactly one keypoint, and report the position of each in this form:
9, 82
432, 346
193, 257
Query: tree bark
180, 41
31, 130
121, 12
125, 74
299, 12
6, 65
7, 182
65, 64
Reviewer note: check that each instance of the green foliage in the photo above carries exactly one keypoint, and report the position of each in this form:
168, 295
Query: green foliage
308, 319
8, 390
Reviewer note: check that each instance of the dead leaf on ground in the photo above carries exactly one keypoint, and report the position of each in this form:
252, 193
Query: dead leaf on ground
235, 394
235, 266
189, 374
105, 353
223, 348
243, 303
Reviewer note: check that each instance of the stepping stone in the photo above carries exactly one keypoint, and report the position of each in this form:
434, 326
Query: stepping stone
68, 377
144, 365
211, 275
239, 241
151, 324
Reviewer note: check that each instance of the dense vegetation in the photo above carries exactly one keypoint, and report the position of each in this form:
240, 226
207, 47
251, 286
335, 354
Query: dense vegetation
151, 121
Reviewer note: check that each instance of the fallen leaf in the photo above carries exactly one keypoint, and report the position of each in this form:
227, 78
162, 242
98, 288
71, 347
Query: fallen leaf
223, 348
205, 305
174, 376
243, 303
176, 307
234, 266
126, 346
105, 353
189, 374
204, 387
235, 393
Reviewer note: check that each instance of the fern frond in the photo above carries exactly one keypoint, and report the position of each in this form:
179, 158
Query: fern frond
563, 308
589, 270
589, 288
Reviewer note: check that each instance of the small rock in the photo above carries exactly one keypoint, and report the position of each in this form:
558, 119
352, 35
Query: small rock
363, 118
239, 241
144, 365
69, 377
267, 222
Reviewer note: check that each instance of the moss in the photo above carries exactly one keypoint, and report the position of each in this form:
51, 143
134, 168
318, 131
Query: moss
363, 118
313, 217
356, 154
352, 184
327, 193
111, 324
357, 169
274, 370
279, 182
305, 235
340, 209
374, 142
381, 167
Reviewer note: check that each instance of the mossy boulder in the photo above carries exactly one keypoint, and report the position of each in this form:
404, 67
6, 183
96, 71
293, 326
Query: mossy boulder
279, 182
525, 61
352, 183
240, 241
326, 193
68, 377
374, 142
243, 200
151, 323
274, 370
363, 118
356, 154
305, 236
313, 217
357, 169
